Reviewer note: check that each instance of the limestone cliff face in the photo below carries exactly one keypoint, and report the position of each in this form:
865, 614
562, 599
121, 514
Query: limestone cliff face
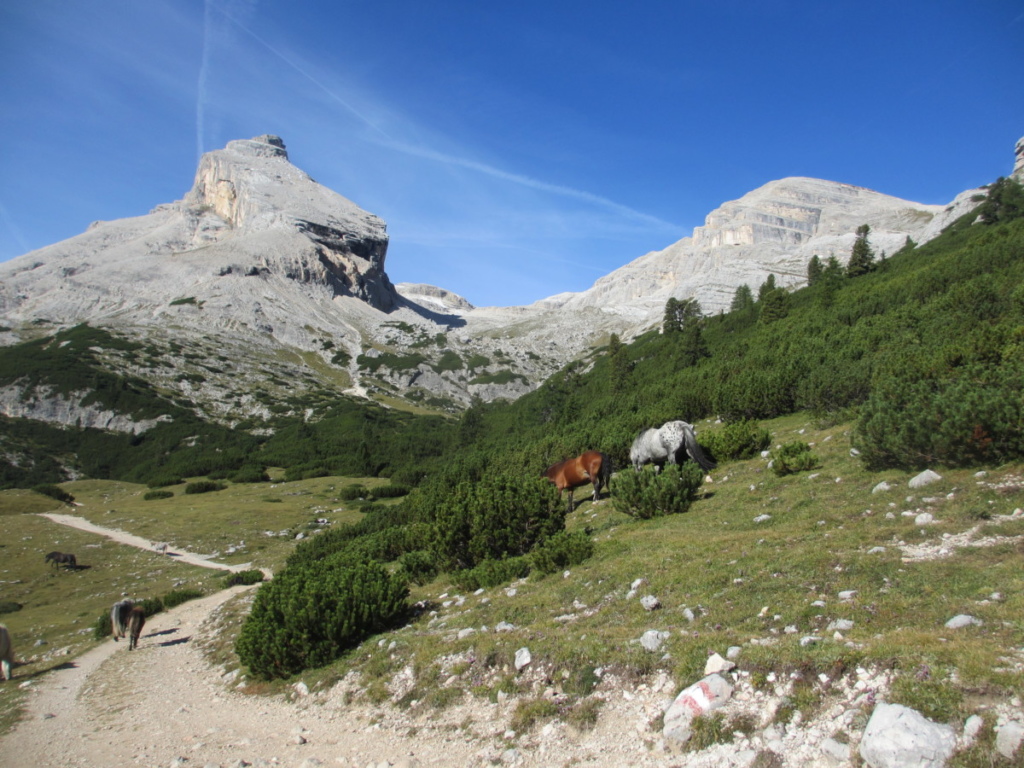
252, 188
775, 229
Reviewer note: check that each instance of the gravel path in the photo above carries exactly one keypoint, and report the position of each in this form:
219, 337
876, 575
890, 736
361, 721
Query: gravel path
137, 541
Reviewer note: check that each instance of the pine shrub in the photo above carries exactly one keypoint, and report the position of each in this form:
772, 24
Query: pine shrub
252, 576
561, 551
154, 495
496, 517
492, 573
250, 475
736, 440
419, 567
793, 457
179, 596
973, 416
353, 492
308, 615
204, 486
54, 492
392, 491
648, 494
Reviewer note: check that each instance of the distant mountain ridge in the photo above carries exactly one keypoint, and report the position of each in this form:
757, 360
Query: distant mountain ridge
260, 266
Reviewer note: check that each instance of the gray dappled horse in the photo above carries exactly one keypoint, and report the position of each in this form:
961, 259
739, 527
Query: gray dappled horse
663, 444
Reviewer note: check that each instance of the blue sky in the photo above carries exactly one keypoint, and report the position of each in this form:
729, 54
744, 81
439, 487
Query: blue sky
516, 150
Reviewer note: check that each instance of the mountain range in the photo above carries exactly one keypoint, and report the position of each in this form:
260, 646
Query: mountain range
261, 276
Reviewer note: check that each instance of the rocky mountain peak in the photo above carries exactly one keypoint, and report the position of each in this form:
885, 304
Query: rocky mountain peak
1018, 166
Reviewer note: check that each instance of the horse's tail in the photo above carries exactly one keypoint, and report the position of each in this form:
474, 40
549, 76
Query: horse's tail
693, 448
606, 470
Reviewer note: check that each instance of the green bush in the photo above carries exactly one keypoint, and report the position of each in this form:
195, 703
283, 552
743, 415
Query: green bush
179, 596
54, 492
392, 491
492, 573
353, 492
737, 440
253, 576
250, 475
419, 567
162, 481
204, 486
9, 606
153, 495
648, 494
972, 416
493, 518
793, 457
308, 615
151, 605
561, 551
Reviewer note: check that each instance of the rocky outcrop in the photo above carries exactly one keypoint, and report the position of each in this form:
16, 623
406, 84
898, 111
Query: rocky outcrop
71, 409
775, 229
251, 186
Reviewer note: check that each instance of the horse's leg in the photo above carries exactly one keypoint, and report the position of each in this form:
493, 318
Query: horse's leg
571, 491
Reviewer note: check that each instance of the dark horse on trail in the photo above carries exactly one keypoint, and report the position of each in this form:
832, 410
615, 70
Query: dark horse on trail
59, 558
590, 467
136, 621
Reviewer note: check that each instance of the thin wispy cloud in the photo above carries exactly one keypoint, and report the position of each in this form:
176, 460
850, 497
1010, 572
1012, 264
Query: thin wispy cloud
384, 139
526, 181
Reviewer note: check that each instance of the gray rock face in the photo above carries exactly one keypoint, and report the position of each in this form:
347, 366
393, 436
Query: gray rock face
897, 736
773, 230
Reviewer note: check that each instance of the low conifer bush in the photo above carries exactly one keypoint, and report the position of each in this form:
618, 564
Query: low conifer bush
54, 492
736, 440
561, 551
648, 494
308, 615
793, 457
252, 576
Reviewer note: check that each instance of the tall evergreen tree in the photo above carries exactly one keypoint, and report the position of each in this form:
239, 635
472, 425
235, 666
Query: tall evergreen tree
742, 300
766, 287
774, 306
673, 321
862, 257
814, 270
833, 270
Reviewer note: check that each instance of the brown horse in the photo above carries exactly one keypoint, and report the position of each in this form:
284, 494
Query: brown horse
136, 621
590, 467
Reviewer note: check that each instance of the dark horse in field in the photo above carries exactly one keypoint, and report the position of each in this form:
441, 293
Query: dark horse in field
59, 558
136, 621
590, 467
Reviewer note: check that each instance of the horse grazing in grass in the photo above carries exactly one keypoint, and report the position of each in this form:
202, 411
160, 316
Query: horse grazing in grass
59, 558
590, 467
136, 621
6, 652
119, 618
665, 443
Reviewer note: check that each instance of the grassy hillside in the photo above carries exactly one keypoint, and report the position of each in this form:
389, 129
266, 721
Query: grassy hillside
725, 576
